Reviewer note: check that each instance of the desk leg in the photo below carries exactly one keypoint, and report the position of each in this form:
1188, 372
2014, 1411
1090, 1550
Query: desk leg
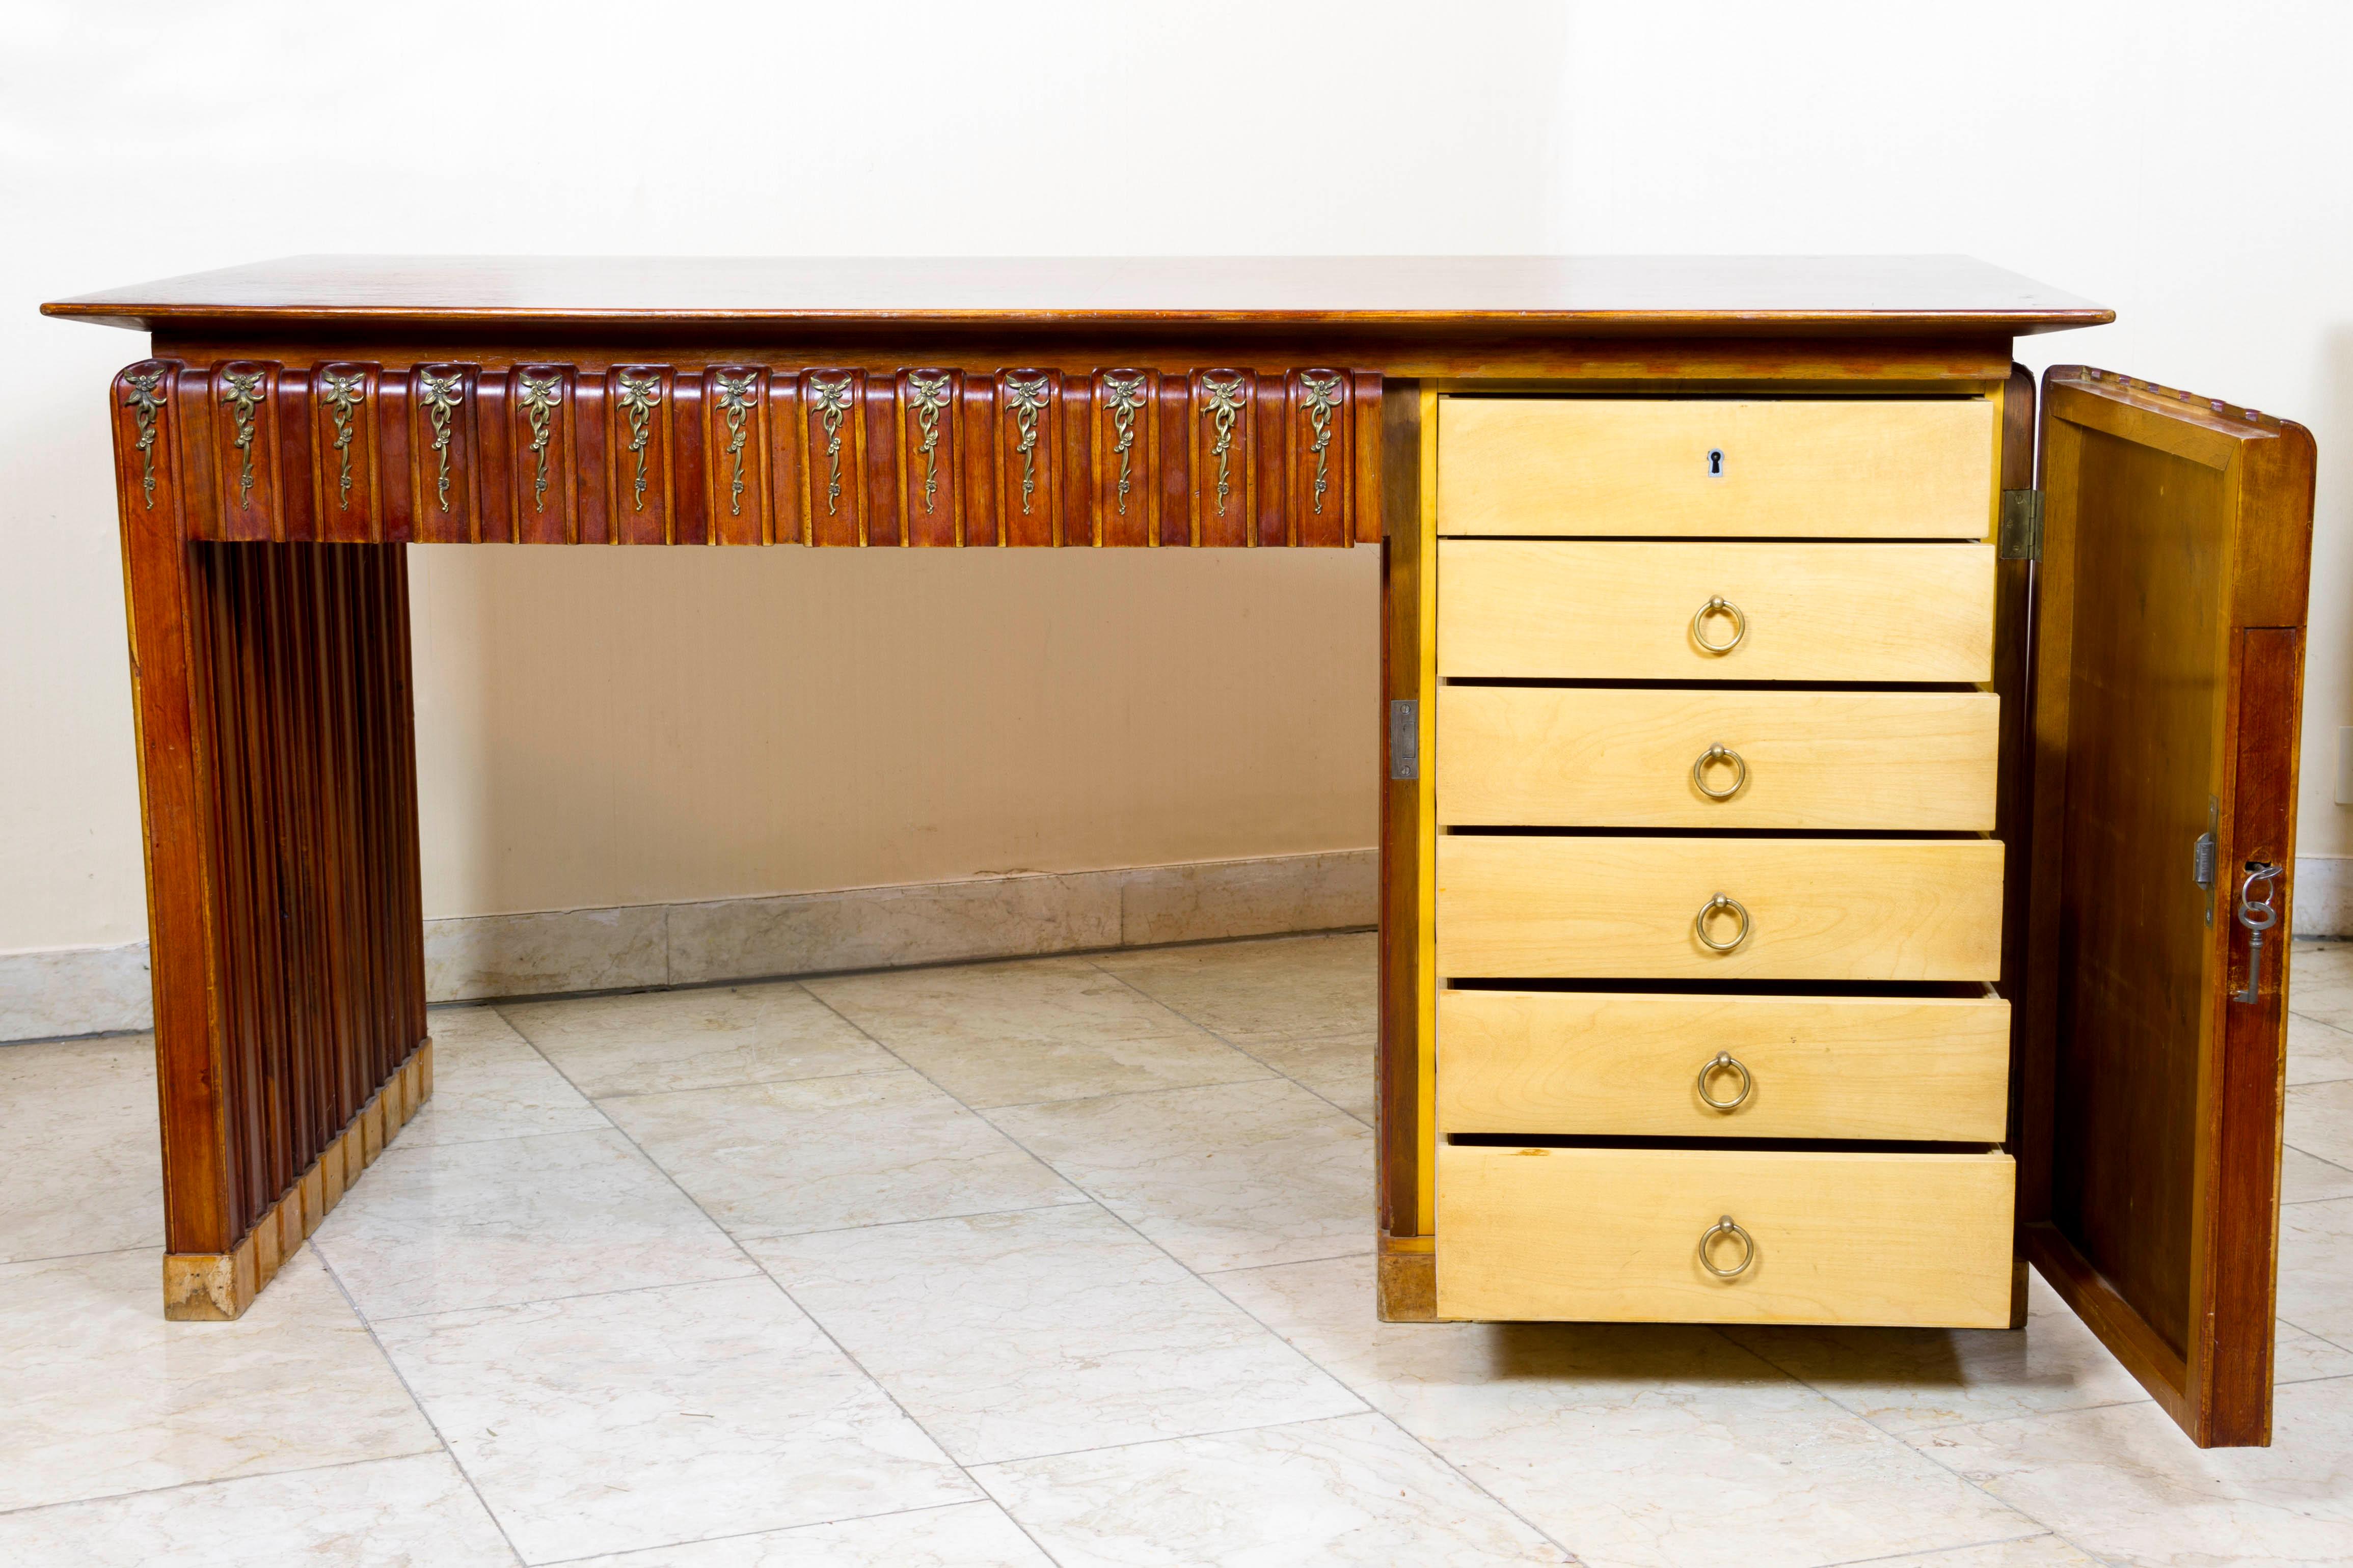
277, 788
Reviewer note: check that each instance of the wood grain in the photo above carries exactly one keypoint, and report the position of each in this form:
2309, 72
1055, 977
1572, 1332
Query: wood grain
1524, 757
1625, 1064
1613, 1236
1879, 468
1622, 611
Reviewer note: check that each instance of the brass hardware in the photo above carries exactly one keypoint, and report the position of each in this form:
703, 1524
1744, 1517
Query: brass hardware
928, 390
1027, 396
343, 391
441, 393
833, 402
640, 395
144, 396
2019, 537
1719, 606
735, 394
2204, 854
540, 392
1720, 753
1721, 901
1747, 1248
2258, 917
242, 390
1225, 393
1725, 1061
1322, 389
1124, 394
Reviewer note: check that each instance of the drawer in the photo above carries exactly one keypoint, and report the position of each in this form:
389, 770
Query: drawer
1935, 1069
1911, 761
1614, 1234
1625, 610
1873, 469
1627, 908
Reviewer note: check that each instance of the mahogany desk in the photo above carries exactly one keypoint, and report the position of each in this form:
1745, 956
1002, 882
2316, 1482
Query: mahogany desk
299, 423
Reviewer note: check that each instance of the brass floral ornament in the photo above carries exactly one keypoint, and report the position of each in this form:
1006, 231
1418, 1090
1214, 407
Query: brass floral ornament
441, 391
142, 393
539, 391
1320, 388
831, 397
928, 391
735, 394
1223, 394
1027, 396
242, 390
1124, 395
343, 391
640, 395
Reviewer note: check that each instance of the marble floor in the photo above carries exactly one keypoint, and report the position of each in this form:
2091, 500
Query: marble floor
1062, 1261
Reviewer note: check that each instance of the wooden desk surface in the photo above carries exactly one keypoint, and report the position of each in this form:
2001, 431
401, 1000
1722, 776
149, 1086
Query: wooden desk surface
1582, 296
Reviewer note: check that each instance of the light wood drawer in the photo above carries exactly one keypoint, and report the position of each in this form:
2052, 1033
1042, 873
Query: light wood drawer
1613, 1234
1622, 610
1624, 908
1518, 756
1881, 468
1935, 1069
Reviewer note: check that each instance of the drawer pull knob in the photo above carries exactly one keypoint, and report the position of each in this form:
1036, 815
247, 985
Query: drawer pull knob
1720, 903
1720, 753
1719, 606
1724, 1062
1747, 1248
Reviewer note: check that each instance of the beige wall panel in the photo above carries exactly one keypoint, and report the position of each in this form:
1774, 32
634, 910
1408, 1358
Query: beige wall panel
1614, 1236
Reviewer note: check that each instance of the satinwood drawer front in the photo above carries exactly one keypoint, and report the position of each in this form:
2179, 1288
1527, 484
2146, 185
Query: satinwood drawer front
1615, 1064
1616, 1235
1597, 757
1601, 908
1876, 469
1642, 610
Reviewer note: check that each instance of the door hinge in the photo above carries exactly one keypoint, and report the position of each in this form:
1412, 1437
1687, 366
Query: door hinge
1405, 738
2020, 538
2201, 856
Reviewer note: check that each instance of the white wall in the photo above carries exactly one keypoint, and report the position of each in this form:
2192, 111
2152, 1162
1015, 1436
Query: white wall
2182, 164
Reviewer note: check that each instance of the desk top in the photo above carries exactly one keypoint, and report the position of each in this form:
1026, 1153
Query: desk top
1542, 295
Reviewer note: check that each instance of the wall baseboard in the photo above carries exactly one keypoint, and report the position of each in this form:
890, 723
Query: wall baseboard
96, 990
2323, 896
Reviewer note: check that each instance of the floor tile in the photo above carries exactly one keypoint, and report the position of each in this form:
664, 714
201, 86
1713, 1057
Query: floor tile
416, 1512
1632, 1444
2307, 1179
2026, 1552
2124, 1484
651, 1418
2315, 1269
2298, 1356
1254, 992
1010, 1336
1011, 1034
435, 1229
2320, 1121
695, 1039
1228, 1177
2320, 982
103, 1396
960, 1535
1906, 1379
488, 1082
771, 1159
2317, 1052
80, 1144
1353, 1489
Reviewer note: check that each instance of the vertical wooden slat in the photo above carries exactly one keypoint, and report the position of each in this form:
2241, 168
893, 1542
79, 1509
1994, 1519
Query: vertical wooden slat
1178, 523
1078, 521
1366, 503
538, 436
832, 433
788, 511
1027, 443
736, 453
291, 460
1124, 436
393, 429
878, 460
1270, 522
495, 450
979, 438
443, 402
930, 438
592, 480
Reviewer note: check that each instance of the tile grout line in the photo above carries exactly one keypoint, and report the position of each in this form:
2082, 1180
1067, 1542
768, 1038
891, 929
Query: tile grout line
431, 1425
225, 1480
775, 1529
1965, 1546
811, 1318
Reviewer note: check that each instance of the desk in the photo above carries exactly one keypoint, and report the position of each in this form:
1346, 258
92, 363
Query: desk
298, 422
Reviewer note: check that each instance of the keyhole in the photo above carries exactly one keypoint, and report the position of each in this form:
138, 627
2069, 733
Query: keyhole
1715, 463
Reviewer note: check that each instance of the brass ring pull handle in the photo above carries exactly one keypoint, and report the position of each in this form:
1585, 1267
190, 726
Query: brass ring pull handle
1726, 1062
1719, 606
1699, 923
1747, 1248
1719, 752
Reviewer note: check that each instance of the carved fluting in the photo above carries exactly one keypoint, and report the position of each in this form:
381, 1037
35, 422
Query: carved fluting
242, 390
927, 391
541, 392
1124, 395
142, 393
736, 390
1223, 396
829, 400
1027, 396
1321, 391
342, 392
441, 391
640, 395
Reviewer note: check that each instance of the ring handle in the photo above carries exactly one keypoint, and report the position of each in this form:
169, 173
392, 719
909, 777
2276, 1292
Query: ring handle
1719, 606
1747, 1248
1719, 752
1699, 923
1725, 1061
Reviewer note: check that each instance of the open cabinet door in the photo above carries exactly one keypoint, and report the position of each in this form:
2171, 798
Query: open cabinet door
2168, 680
